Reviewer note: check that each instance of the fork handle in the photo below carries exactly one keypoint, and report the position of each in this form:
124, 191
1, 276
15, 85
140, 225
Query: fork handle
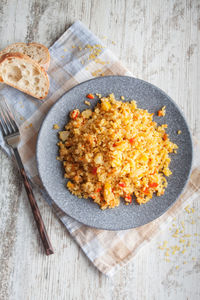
35, 210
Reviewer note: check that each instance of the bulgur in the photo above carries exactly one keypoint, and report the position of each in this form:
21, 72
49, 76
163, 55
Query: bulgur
115, 151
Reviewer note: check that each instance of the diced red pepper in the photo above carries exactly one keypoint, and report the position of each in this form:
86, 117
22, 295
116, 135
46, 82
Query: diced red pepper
165, 136
90, 96
94, 170
114, 145
132, 141
146, 191
152, 185
122, 184
98, 190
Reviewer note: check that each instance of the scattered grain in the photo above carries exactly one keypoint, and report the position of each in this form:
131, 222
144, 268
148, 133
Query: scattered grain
56, 126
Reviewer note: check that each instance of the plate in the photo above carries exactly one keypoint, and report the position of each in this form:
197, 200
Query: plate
124, 216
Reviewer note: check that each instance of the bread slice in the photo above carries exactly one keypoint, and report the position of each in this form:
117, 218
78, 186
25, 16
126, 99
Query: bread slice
36, 51
23, 73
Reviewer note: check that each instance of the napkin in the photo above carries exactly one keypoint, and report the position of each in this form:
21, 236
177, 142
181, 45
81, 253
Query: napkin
78, 55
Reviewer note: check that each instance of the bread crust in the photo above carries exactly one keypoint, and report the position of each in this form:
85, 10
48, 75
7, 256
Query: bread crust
45, 65
31, 61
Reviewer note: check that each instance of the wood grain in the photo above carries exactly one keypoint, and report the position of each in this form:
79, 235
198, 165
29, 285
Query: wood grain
159, 42
35, 210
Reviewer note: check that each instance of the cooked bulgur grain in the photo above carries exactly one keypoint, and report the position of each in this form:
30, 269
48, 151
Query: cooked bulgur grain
56, 126
87, 103
115, 151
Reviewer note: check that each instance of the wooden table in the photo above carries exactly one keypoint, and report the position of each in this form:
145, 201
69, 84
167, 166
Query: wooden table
159, 41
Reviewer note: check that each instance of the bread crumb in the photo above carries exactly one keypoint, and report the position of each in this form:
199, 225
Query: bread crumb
21, 118
87, 103
177, 267
122, 98
62, 56
56, 126
73, 46
179, 132
65, 50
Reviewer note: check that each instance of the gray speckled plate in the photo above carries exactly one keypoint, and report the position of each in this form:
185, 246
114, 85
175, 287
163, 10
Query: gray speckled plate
86, 211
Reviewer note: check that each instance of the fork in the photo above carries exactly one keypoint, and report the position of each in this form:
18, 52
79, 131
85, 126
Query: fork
11, 135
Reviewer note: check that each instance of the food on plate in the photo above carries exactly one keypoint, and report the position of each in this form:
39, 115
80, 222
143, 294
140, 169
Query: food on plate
115, 151
56, 126
90, 96
37, 52
162, 112
23, 73
87, 103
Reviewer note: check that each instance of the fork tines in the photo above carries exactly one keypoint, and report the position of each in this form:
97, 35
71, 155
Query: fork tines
7, 121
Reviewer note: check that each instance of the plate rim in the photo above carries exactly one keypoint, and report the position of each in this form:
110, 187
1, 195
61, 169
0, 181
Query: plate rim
139, 80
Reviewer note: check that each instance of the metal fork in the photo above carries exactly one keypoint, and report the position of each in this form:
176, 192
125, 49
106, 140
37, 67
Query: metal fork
11, 135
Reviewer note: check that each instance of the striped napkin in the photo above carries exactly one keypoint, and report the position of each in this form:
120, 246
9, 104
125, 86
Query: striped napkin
77, 56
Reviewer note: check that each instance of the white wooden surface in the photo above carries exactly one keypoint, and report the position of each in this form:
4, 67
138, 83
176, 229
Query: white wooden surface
159, 42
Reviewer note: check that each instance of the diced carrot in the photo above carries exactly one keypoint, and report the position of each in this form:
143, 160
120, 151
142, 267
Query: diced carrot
160, 113
122, 184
